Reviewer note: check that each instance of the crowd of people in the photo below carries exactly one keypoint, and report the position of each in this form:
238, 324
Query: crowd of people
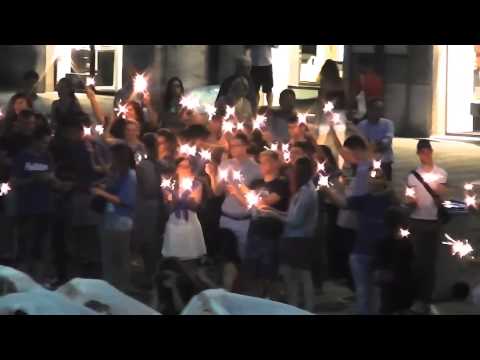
274, 201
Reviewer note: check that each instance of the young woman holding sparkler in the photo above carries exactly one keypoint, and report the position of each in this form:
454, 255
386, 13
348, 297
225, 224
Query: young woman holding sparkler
183, 237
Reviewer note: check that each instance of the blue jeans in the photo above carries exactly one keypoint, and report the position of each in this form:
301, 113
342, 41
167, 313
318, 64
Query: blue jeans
366, 292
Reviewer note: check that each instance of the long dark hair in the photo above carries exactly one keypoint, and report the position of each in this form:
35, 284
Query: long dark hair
168, 91
10, 115
303, 172
138, 111
330, 71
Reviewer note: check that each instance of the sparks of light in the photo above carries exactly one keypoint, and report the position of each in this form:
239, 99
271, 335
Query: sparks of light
167, 183
190, 102
448, 204
4, 189
328, 107
229, 112
320, 166
87, 131
468, 187
302, 119
210, 110
138, 158
227, 126
285, 147
410, 192
377, 164
252, 199
273, 147
430, 177
90, 81
373, 174
459, 247
99, 129
286, 156
188, 150
186, 184
140, 84
1, 113
206, 154
323, 182
121, 110
222, 174
259, 122
404, 233
240, 126
237, 175
471, 201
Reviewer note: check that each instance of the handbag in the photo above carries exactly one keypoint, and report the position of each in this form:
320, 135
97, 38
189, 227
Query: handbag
443, 214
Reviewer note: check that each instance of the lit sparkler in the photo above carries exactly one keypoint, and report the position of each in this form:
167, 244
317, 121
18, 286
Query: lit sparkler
404, 233
252, 199
320, 166
187, 149
272, 147
121, 110
410, 192
377, 164
229, 112
4, 189
223, 174
140, 84
237, 175
87, 131
286, 152
468, 187
240, 126
259, 122
90, 81
471, 201
138, 158
227, 126
186, 184
210, 110
328, 107
99, 129
167, 184
190, 102
448, 204
323, 182
302, 119
373, 174
459, 247
206, 154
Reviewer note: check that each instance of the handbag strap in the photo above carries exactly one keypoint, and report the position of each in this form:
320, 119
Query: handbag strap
427, 187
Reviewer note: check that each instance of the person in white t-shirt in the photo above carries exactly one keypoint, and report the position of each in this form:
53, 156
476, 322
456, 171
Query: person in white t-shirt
262, 73
425, 226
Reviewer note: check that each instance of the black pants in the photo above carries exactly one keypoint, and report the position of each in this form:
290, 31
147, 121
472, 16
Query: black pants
339, 259
84, 252
425, 240
60, 232
32, 240
387, 170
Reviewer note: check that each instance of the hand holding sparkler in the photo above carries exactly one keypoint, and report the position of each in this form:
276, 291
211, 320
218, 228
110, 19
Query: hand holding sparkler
210, 110
462, 248
229, 112
168, 184
206, 154
259, 122
99, 129
252, 198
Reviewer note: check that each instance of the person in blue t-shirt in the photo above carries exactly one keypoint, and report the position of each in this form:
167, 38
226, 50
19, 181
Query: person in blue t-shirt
33, 179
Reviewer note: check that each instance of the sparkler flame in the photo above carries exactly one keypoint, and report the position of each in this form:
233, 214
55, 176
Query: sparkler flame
206, 154
320, 166
229, 112
404, 233
4, 189
328, 107
140, 84
373, 174
90, 81
167, 183
87, 131
323, 182
252, 199
448, 204
227, 126
240, 126
259, 122
121, 110
468, 187
302, 119
459, 247
186, 184
273, 147
410, 192
286, 152
191, 102
138, 158
377, 164
237, 175
210, 110
223, 174
188, 150
99, 129
471, 201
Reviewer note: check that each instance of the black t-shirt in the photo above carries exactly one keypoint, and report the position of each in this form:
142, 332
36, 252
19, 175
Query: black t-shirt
278, 186
12, 145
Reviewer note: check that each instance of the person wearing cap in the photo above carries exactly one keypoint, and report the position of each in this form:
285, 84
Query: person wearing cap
379, 132
424, 225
